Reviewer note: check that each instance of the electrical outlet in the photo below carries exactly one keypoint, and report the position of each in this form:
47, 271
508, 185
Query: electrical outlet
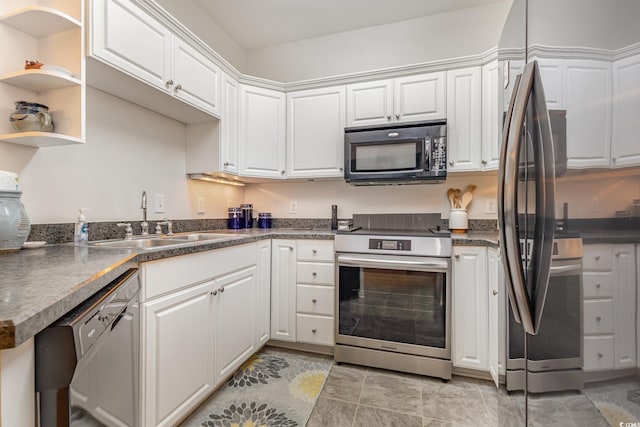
293, 207
490, 206
201, 205
159, 203
595, 204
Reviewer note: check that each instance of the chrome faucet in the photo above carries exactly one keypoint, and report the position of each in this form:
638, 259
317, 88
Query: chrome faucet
144, 224
169, 225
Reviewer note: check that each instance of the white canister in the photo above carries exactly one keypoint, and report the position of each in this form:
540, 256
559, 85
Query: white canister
14, 222
458, 220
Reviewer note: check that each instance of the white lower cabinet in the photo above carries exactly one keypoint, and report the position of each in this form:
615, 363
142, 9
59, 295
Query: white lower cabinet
188, 346
303, 296
609, 290
470, 308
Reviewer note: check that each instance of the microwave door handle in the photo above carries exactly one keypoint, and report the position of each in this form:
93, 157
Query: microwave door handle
504, 151
545, 196
509, 202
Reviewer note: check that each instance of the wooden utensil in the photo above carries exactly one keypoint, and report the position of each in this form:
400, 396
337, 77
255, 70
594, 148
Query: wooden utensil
450, 195
466, 199
456, 198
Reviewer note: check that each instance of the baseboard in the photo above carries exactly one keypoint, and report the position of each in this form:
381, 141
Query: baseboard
311, 348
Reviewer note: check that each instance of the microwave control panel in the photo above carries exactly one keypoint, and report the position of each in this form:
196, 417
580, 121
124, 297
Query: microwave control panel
390, 245
438, 153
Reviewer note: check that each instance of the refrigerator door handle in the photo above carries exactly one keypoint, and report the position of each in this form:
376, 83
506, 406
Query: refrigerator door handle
508, 202
545, 197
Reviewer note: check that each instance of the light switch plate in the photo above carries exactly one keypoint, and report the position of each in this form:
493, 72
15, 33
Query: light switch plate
159, 203
201, 205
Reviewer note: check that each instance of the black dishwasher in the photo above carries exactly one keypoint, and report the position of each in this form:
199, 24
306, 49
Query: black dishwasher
87, 362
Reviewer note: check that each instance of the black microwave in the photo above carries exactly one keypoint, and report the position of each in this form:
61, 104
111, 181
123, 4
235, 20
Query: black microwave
409, 153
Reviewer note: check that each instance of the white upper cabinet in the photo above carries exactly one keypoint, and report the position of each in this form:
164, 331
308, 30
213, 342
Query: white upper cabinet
588, 83
196, 79
315, 133
464, 119
491, 116
125, 37
411, 98
553, 82
262, 132
625, 148
229, 131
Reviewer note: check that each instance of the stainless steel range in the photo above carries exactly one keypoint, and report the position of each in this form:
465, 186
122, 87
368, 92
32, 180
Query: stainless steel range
393, 298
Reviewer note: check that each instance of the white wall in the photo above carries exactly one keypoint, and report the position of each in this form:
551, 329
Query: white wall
191, 15
314, 199
128, 149
447, 35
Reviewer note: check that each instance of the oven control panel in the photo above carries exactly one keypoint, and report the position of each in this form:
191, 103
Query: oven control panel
390, 245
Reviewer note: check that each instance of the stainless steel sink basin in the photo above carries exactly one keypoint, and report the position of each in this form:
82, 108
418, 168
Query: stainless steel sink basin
152, 242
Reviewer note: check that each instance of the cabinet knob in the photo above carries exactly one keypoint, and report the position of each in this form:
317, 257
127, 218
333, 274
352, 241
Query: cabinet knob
226, 163
598, 285
397, 115
313, 330
340, 169
600, 355
282, 172
214, 292
388, 116
169, 82
315, 251
221, 289
484, 162
457, 256
290, 248
597, 257
314, 300
451, 162
495, 292
178, 87
314, 274
598, 318
618, 254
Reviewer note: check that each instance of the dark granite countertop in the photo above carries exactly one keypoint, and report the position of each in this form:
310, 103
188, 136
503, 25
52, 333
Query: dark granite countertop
475, 238
39, 285
610, 236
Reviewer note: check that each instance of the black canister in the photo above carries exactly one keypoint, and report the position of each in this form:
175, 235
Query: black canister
264, 220
235, 218
247, 215
334, 217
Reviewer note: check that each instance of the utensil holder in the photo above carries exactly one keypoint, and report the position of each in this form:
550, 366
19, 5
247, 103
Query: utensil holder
458, 220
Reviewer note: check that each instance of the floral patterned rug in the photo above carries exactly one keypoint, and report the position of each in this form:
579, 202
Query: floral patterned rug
274, 388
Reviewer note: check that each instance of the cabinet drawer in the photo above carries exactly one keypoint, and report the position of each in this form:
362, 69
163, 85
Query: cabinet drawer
598, 317
315, 250
597, 284
311, 272
598, 353
315, 299
597, 257
315, 329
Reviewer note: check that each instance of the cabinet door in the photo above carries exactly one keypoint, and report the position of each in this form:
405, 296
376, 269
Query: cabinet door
127, 38
551, 71
315, 133
470, 312
229, 124
369, 103
235, 307
494, 296
420, 97
625, 150
263, 300
464, 131
624, 305
283, 290
262, 132
588, 104
178, 353
491, 117
196, 79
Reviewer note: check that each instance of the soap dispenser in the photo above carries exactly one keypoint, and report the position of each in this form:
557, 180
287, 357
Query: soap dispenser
81, 231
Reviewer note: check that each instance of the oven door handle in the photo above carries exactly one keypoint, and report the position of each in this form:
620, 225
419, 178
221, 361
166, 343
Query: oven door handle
394, 264
559, 270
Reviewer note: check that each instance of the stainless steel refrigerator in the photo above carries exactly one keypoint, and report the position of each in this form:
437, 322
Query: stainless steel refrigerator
569, 212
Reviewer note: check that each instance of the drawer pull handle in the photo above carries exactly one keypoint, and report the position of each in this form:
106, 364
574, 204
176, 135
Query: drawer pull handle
313, 330
598, 285
600, 355
314, 274
315, 251
314, 300
598, 318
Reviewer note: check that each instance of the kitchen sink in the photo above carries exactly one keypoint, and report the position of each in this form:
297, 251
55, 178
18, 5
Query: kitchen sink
152, 242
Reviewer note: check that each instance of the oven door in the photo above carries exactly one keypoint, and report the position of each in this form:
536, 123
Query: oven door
558, 344
394, 303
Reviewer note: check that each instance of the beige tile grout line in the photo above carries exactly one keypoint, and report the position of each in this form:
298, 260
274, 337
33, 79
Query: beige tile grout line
366, 374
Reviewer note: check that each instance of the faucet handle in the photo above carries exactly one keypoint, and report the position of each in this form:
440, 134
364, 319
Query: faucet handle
169, 226
128, 231
159, 225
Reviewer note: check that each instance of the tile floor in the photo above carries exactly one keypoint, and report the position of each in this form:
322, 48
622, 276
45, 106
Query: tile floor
359, 396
